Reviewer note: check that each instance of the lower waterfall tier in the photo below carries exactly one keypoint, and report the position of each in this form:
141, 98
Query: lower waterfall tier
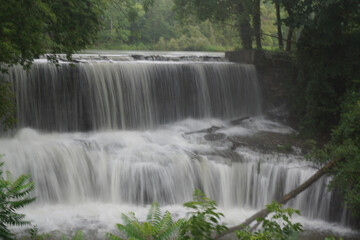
165, 165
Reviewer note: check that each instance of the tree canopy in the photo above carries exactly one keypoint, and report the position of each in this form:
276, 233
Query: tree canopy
326, 95
30, 28
234, 11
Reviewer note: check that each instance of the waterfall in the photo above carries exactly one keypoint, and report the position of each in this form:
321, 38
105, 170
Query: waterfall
163, 166
113, 133
132, 94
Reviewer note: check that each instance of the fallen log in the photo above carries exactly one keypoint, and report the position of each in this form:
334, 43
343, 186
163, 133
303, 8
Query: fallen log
239, 120
264, 212
206, 130
215, 128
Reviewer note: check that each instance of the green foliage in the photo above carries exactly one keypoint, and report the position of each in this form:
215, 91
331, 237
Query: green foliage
204, 220
7, 106
14, 194
202, 223
78, 236
22, 31
332, 238
327, 93
157, 226
30, 28
129, 25
328, 62
233, 12
278, 227
345, 145
349, 126
34, 235
74, 26
286, 148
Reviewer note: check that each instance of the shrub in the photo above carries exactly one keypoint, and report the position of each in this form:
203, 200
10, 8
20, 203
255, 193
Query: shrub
13, 196
272, 228
157, 226
204, 221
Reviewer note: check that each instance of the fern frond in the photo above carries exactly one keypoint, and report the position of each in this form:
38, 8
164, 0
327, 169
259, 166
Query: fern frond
110, 236
148, 229
13, 195
14, 205
9, 177
154, 214
22, 184
129, 219
1, 165
78, 235
133, 230
5, 233
171, 230
15, 219
164, 223
21, 191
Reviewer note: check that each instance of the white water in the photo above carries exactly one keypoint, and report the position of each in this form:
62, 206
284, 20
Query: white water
86, 180
111, 138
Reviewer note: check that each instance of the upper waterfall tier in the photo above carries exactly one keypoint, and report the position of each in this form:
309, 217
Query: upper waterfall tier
131, 94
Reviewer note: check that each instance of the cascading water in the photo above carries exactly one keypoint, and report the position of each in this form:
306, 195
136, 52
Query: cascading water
116, 140
131, 94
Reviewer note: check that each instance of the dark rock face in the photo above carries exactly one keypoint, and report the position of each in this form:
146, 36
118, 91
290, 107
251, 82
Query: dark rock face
276, 72
214, 136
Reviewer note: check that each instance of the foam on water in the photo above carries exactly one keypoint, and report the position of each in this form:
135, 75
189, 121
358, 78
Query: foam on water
86, 180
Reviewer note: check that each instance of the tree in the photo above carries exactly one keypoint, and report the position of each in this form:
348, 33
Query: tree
278, 24
234, 11
159, 22
123, 21
257, 23
30, 28
345, 145
325, 99
327, 53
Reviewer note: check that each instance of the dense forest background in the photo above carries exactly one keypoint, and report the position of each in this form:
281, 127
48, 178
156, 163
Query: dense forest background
136, 26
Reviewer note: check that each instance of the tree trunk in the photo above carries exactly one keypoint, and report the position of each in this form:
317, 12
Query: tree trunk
291, 27
245, 35
278, 22
264, 212
111, 27
244, 27
257, 23
289, 38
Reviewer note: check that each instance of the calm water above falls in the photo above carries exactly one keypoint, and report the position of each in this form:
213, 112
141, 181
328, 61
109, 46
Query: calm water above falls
103, 138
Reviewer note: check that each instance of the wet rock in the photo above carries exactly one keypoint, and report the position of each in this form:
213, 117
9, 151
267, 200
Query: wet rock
268, 142
215, 136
